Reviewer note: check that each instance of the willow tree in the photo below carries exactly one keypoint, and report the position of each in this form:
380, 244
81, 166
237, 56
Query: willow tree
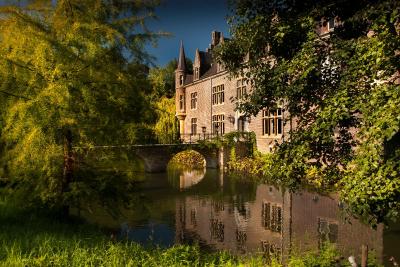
162, 81
343, 91
74, 67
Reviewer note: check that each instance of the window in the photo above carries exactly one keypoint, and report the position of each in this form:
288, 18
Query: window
194, 126
241, 238
196, 73
218, 95
241, 124
220, 67
327, 231
271, 251
241, 88
271, 215
181, 80
193, 100
217, 230
181, 102
193, 217
272, 122
218, 206
218, 124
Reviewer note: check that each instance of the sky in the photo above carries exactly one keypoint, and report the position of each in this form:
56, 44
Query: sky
191, 21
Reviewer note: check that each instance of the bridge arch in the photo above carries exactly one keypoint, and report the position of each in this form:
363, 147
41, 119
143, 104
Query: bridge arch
157, 157
209, 156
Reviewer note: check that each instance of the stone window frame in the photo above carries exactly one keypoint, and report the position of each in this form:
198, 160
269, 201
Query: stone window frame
193, 100
241, 88
193, 126
328, 231
181, 79
181, 102
272, 216
218, 95
218, 119
272, 119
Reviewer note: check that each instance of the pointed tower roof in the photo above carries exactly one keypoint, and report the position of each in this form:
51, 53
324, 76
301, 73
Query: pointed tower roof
182, 59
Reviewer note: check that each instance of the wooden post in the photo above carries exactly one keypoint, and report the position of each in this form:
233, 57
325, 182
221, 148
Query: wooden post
364, 255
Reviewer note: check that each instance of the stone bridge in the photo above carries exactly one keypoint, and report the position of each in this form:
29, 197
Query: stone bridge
157, 156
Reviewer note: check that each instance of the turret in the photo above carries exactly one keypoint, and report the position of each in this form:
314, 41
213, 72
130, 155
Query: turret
180, 97
180, 72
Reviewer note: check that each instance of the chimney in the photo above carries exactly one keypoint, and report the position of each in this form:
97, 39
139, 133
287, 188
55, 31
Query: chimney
215, 38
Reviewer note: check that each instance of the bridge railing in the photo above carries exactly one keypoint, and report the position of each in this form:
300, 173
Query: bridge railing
195, 138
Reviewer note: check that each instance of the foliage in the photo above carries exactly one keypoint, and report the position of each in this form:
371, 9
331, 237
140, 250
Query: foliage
68, 64
341, 91
162, 84
258, 166
166, 127
230, 139
162, 79
188, 158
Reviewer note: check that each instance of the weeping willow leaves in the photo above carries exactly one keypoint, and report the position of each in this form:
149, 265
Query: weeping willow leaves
166, 127
68, 64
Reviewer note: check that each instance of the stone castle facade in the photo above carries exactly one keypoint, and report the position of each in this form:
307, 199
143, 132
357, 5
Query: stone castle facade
206, 102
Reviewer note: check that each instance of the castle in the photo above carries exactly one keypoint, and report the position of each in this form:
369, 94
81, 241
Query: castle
206, 99
206, 102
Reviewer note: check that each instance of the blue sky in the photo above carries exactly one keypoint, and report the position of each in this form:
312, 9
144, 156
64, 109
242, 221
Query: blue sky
191, 21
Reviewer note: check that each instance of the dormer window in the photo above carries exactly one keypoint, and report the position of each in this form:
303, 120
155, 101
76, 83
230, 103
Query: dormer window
196, 73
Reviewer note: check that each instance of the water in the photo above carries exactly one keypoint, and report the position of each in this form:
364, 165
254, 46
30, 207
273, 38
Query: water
220, 212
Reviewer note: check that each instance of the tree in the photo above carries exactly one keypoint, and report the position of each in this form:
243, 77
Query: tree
166, 127
69, 66
342, 91
162, 79
162, 83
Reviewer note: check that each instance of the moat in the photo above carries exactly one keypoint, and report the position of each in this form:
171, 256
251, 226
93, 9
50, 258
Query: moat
222, 212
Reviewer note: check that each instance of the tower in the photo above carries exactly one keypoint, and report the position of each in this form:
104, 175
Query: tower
180, 98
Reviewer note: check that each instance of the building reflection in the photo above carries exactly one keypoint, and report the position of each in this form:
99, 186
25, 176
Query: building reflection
273, 224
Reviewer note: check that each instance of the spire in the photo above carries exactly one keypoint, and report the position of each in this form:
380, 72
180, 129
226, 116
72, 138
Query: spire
182, 59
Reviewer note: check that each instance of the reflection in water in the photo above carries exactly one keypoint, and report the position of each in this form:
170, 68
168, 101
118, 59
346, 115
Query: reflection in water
191, 177
275, 222
220, 212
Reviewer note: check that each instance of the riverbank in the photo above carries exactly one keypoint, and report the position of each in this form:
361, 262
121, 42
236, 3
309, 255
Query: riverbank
261, 168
